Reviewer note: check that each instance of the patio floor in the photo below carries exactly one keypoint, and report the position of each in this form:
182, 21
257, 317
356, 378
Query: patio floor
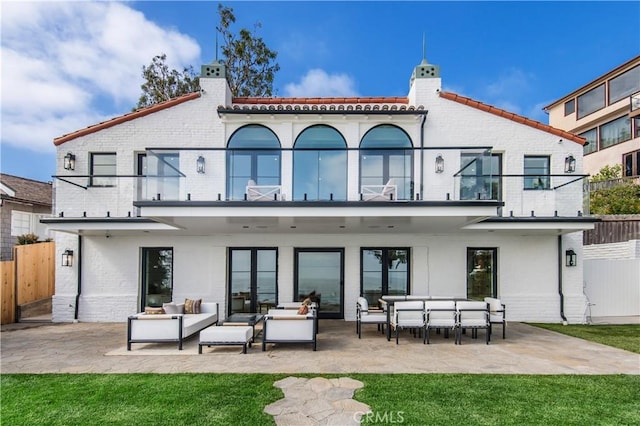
101, 348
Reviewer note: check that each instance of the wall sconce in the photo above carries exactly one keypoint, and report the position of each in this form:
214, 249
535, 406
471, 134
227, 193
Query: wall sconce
200, 165
439, 164
69, 161
571, 258
569, 164
67, 258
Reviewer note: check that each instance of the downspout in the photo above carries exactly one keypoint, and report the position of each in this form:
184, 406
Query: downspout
560, 263
424, 118
79, 291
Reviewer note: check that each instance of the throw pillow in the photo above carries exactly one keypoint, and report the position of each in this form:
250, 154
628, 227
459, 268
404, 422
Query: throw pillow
303, 310
192, 306
307, 302
170, 308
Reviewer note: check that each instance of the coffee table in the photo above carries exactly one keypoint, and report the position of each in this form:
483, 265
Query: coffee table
244, 319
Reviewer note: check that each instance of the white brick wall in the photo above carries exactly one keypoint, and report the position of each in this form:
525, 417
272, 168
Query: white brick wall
623, 250
527, 265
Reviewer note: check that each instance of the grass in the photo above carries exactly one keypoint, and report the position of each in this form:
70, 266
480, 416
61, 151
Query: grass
625, 337
238, 399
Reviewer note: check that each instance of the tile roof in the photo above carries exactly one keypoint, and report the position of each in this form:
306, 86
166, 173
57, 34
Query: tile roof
513, 117
126, 117
26, 190
353, 100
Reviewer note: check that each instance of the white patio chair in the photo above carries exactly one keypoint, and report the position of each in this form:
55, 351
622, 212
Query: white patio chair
364, 315
497, 314
440, 315
474, 316
408, 315
262, 192
387, 192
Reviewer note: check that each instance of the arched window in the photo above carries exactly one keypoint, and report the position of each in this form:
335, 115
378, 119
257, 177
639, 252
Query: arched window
386, 155
320, 165
253, 154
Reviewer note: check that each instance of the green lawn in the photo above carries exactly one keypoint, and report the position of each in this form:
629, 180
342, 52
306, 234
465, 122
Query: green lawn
238, 399
625, 337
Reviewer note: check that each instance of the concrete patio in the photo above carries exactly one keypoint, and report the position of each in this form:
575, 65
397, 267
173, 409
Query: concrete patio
101, 348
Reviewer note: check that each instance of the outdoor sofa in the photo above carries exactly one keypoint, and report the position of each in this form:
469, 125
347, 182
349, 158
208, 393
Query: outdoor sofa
174, 327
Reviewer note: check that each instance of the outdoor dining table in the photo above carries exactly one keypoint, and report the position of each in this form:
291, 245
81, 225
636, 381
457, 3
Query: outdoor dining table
388, 301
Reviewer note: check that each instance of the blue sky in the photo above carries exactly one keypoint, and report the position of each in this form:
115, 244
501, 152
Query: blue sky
67, 65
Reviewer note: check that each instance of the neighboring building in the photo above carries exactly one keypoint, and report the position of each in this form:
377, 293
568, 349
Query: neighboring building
606, 112
254, 201
23, 202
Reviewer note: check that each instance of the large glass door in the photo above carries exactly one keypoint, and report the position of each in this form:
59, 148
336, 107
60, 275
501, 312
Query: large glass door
384, 271
157, 276
253, 276
319, 273
482, 277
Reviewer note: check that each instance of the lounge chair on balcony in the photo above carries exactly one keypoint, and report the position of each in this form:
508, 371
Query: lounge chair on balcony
262, 192
387, 192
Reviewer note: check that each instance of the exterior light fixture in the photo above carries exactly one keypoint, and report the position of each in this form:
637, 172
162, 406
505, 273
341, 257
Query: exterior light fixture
569, 164
69, 161
200, 165
571, 258
67, 258
439, 164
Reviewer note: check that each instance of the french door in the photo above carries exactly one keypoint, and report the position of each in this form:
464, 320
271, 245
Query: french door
319, 273
157, 276
253, 279
384, 271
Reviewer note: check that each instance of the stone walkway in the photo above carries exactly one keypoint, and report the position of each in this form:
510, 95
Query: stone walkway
317, 401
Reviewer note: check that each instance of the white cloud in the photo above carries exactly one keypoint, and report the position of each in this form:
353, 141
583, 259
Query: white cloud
67, 65
317, 83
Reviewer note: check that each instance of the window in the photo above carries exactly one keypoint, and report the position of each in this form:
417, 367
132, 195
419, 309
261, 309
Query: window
320, 272
253, 279
253, 154
386, 152
614, 132
536, 170
624, 85
385, 271
480, 176
569, 107
636, 126
482, 276
20, 223
591, 101
631, 163
103, 164
592, 141
157, 276
320, 165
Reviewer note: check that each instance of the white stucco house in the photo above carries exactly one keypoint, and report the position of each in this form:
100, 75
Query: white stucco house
255, 201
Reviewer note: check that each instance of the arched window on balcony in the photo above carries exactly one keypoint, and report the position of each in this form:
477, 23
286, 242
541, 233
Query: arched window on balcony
320, 165
386, 159
253, 159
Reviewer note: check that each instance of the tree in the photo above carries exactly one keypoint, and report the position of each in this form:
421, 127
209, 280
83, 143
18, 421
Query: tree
249, 62
621, 197
162, 84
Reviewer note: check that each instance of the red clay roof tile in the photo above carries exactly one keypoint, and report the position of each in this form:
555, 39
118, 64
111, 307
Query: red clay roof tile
511, 116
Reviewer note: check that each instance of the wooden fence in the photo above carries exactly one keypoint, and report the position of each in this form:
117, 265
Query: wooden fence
27, 278
613, 229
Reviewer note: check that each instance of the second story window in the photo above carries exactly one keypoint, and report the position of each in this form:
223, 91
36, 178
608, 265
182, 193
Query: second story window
536, 171
614, 132
592, 141
320, 165
569, 107
253, 159
624, 85
102, 164
480, 177
386, 159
